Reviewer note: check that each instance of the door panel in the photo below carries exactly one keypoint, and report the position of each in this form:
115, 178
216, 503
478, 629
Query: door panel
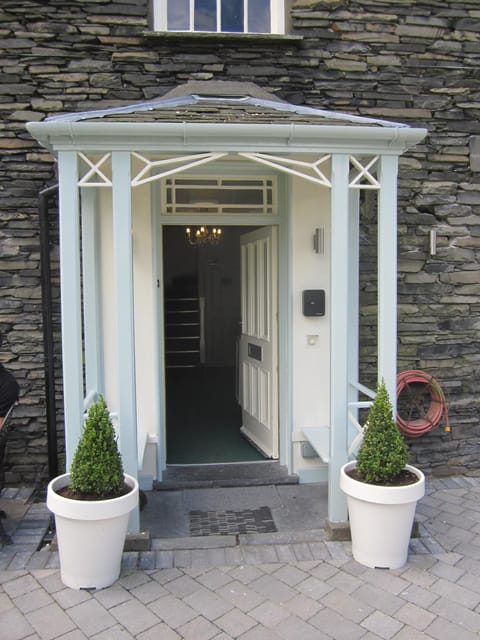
258, 341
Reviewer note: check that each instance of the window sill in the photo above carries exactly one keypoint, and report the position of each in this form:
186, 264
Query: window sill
262, 38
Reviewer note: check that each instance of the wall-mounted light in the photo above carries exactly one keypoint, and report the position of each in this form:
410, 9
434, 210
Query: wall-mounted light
319, 240
433, 242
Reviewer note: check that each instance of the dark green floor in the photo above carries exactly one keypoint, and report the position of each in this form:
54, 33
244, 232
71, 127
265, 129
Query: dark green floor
204, 419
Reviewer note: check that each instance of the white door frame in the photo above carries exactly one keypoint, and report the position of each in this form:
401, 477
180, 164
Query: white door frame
285, 321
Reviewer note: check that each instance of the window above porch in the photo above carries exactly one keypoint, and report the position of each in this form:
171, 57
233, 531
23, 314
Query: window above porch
220, 16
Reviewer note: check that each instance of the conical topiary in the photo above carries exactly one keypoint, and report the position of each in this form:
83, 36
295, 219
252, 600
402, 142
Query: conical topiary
97, 472
383, 453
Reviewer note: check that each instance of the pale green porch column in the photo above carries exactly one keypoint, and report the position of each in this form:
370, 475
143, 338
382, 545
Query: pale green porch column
92, 308
124, 311
387, 274
71, 300
339, 294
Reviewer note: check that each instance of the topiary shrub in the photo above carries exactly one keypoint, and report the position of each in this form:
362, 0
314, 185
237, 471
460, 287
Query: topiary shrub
383, 453
97, 472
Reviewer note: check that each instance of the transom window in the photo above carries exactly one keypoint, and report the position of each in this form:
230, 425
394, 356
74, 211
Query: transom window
228, 16
211, 195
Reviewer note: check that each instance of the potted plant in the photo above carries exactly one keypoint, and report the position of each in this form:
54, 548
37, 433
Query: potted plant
382, 490
91, 505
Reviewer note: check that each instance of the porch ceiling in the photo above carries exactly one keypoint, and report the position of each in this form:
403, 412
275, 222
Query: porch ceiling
219, 115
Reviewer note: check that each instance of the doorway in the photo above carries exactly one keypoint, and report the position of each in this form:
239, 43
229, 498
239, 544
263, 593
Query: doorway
203, 310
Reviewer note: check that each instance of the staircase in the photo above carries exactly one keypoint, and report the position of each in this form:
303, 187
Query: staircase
182, 328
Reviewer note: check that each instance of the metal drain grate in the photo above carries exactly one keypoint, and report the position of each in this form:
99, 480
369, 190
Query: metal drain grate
224, 523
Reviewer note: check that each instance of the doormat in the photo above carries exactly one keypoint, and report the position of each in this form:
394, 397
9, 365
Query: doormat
225, 523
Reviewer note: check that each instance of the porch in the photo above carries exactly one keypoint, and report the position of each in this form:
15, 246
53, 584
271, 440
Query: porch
114, 168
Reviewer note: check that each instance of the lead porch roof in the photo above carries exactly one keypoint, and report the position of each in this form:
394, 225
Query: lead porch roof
220, 102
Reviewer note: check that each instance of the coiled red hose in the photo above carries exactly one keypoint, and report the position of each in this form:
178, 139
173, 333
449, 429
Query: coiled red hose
438, 404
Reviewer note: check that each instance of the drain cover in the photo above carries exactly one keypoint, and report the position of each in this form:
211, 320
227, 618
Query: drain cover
224, 523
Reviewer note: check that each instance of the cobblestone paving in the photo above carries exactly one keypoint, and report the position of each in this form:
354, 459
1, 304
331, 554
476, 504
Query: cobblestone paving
263, 587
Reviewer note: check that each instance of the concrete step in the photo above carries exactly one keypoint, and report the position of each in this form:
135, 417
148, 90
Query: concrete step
238, 474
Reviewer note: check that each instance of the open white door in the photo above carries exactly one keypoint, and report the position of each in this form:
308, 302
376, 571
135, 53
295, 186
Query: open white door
258, 370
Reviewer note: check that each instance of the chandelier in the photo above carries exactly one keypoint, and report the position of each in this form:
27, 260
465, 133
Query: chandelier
203, 236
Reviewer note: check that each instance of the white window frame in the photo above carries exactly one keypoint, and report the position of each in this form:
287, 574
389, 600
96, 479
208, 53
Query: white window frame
277, 16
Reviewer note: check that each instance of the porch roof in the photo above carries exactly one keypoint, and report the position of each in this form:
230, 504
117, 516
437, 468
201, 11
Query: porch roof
216, 114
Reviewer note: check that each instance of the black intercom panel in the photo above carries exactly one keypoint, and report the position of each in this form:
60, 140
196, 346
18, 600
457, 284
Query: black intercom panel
313, 302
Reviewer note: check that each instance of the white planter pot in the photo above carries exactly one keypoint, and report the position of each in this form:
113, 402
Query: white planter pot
381, 518
90, 534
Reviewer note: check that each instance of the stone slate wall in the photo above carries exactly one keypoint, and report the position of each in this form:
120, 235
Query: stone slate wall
406, 60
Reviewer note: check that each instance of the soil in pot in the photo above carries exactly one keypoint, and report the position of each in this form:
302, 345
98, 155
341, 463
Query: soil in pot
404, 478
66, 492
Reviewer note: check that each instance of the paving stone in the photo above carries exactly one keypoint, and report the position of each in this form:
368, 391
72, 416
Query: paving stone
160, 630
414, 616
147, 560
198, 629
349, 607
50, 621
235, 623
381, 624
344, 582
336, 626
376, 598
285, 553
172, 611
208, 603
457, 613
442, 629
289, 574
269, 614
164, 559
303, 607
234, 556
33, 600
240, 595
293, 628
272, 588
182, 586
117, 632
110, 597
22, 585
456, 593
213, 578
216, 557
149, 592
314, 588
91, 617
14, 625
134, 616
